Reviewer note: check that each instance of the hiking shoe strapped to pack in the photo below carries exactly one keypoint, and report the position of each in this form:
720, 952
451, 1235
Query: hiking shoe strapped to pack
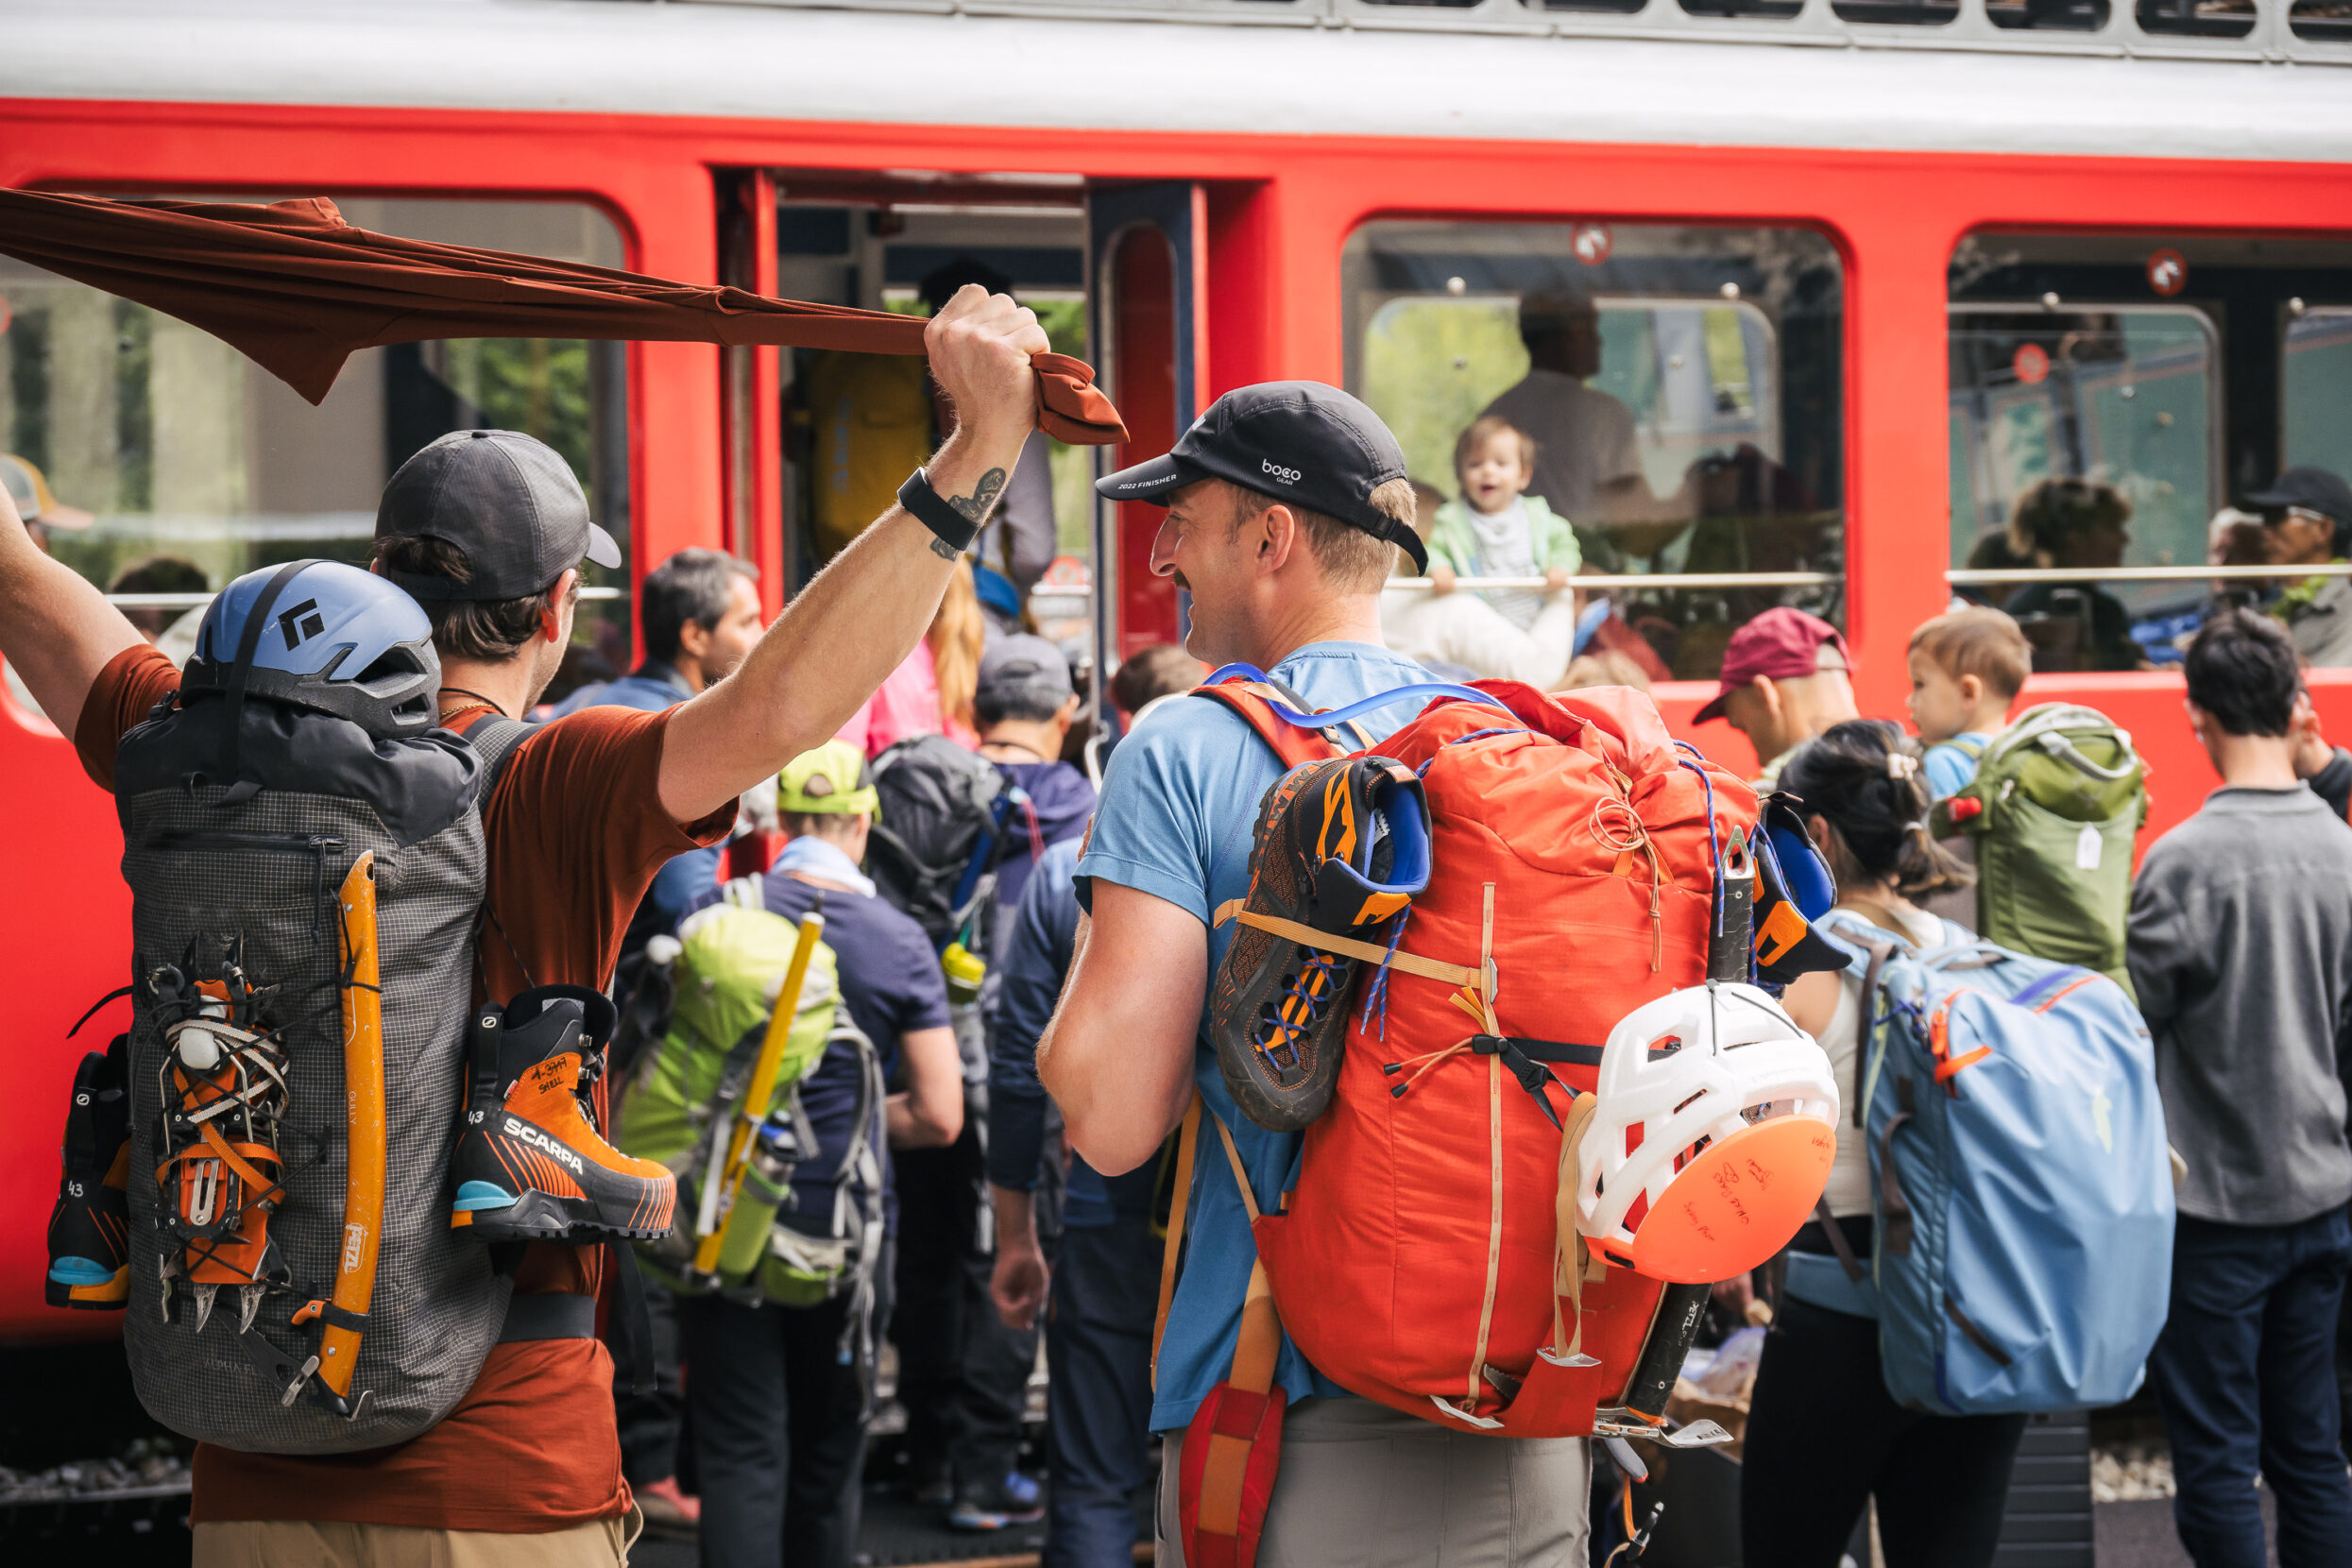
1340, 848
529, 1166
89, 1227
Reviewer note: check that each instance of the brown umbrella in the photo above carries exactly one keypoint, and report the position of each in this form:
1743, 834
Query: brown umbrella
296, 289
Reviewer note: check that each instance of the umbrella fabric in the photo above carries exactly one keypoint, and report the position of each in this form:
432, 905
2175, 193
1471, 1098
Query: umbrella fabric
296, 289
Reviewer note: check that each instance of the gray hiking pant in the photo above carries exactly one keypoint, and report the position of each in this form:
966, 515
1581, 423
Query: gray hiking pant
1362, 1486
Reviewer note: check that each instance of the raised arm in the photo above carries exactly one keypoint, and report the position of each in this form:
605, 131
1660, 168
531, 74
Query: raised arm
1117, 1057
55, 630
865, 613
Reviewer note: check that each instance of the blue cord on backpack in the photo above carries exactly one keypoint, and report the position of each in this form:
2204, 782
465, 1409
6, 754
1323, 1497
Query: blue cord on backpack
1367, 704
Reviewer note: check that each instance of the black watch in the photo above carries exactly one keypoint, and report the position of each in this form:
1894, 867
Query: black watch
933, 513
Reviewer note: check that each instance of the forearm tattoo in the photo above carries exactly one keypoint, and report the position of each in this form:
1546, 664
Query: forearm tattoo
983, 496
941, 549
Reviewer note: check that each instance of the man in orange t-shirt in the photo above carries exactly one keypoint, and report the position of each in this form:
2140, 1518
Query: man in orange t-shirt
526, 1470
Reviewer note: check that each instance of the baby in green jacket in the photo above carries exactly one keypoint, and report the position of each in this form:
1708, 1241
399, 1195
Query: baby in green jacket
1496, 529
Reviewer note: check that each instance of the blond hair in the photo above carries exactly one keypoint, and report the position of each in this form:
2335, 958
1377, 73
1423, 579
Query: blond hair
1353, 560
958, 631
1484, 429
1607, 667
1978, 641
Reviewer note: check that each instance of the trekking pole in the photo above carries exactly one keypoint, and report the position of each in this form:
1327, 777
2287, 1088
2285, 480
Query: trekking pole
719, 1196
346, 1314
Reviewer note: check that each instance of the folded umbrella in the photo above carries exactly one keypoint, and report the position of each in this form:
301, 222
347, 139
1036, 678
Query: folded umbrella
296, 290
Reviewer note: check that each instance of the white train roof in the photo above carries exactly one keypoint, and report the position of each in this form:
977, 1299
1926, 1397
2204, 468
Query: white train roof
1659, 77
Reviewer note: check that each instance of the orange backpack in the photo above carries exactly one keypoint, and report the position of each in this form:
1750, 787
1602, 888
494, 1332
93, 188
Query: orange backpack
1420, 1260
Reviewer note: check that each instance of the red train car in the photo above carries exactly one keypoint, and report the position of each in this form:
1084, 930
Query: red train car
1856, 273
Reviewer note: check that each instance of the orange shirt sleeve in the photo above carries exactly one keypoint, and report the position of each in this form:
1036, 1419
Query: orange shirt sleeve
126, 690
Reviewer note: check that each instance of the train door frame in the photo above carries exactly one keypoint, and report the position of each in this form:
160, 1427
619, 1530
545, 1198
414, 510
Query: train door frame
1151, 349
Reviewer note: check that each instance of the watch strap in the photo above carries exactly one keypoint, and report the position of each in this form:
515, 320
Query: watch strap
933, 513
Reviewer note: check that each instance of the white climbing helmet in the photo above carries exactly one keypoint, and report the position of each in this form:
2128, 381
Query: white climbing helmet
1711, 1140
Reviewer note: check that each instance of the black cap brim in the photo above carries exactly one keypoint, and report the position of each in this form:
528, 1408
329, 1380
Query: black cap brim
1152, 480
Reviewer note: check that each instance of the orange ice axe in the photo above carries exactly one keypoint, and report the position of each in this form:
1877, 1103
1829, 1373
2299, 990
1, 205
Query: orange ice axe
346, 1316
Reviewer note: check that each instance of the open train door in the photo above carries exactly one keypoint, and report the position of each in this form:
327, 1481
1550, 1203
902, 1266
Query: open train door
1148, 256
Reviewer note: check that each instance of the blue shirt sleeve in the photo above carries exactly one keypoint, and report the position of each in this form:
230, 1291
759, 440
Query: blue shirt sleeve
1033, 965
1950, 770
1150, 831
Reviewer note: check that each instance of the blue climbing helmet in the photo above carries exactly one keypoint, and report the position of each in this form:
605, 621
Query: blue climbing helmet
325, 636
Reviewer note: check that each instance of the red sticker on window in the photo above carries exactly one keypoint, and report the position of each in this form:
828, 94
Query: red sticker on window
2032, 365
2168, 272
1592, 242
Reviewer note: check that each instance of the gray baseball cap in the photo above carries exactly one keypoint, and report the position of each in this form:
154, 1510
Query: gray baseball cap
1022, 663
509, 503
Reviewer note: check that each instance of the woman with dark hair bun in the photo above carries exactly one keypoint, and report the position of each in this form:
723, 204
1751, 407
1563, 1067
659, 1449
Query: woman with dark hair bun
1824, 1436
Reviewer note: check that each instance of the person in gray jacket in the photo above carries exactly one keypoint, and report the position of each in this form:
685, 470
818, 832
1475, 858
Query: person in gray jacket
2241, 949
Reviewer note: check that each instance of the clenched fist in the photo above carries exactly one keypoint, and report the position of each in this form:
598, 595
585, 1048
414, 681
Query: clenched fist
980, 345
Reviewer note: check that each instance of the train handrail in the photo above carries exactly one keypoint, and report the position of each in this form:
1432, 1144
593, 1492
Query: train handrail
1969, 576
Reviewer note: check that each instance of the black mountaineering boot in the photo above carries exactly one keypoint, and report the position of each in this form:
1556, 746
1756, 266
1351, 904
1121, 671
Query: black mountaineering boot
90, 1228
529, 1165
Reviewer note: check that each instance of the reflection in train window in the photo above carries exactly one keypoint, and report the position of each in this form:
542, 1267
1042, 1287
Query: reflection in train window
2148, 378
174, 464
1681, 385
2315, 392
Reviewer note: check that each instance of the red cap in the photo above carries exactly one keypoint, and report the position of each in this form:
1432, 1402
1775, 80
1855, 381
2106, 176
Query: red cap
1779, 644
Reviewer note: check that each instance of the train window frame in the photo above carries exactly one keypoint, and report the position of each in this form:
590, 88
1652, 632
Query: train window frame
2215, 407
1776, 273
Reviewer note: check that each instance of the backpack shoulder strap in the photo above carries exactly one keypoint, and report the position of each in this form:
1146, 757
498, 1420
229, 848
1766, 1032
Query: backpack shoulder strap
494, 738
1254, 702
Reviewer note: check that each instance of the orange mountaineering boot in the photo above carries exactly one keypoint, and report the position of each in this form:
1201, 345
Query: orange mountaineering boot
529, 1165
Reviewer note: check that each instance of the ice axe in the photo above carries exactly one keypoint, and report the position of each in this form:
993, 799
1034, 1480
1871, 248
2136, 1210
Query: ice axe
725, 1181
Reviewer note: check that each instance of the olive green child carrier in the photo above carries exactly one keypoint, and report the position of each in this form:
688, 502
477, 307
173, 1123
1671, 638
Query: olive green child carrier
2057, 799
726, 967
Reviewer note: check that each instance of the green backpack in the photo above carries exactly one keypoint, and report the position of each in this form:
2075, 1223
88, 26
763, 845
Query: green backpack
724, 969
2058, 797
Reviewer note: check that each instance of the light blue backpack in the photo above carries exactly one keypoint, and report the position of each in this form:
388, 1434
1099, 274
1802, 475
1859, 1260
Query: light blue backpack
2022, 1187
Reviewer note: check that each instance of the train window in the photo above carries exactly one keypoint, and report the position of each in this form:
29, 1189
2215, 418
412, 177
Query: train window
2197, 18
2322, 21
2315, 391
2071, 16
2110, 394
1912, 14
174, 464
1681, 385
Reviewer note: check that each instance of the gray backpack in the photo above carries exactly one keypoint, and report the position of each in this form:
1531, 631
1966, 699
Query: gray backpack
242, 821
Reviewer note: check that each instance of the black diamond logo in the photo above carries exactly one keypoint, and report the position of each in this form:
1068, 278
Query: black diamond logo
302, 623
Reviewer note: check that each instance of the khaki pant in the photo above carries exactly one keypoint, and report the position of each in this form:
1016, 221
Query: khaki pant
294, 1544
1362, 1486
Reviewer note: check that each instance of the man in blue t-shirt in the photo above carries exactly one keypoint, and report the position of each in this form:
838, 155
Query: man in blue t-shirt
1287, 503
778, 1418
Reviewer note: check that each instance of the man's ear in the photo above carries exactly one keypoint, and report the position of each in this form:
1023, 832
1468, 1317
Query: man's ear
1767, 692
1070, 709
1278, 536
552, 607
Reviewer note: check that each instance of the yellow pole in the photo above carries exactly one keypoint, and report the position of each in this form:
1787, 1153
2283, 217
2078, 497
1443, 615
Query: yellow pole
363, 1083
753, 1109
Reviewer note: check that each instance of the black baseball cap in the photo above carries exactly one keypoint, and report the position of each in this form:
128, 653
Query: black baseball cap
509, 503
1294, 440
2313, 490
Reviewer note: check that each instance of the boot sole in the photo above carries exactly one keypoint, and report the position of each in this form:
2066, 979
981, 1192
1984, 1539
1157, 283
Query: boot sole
541, 1217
